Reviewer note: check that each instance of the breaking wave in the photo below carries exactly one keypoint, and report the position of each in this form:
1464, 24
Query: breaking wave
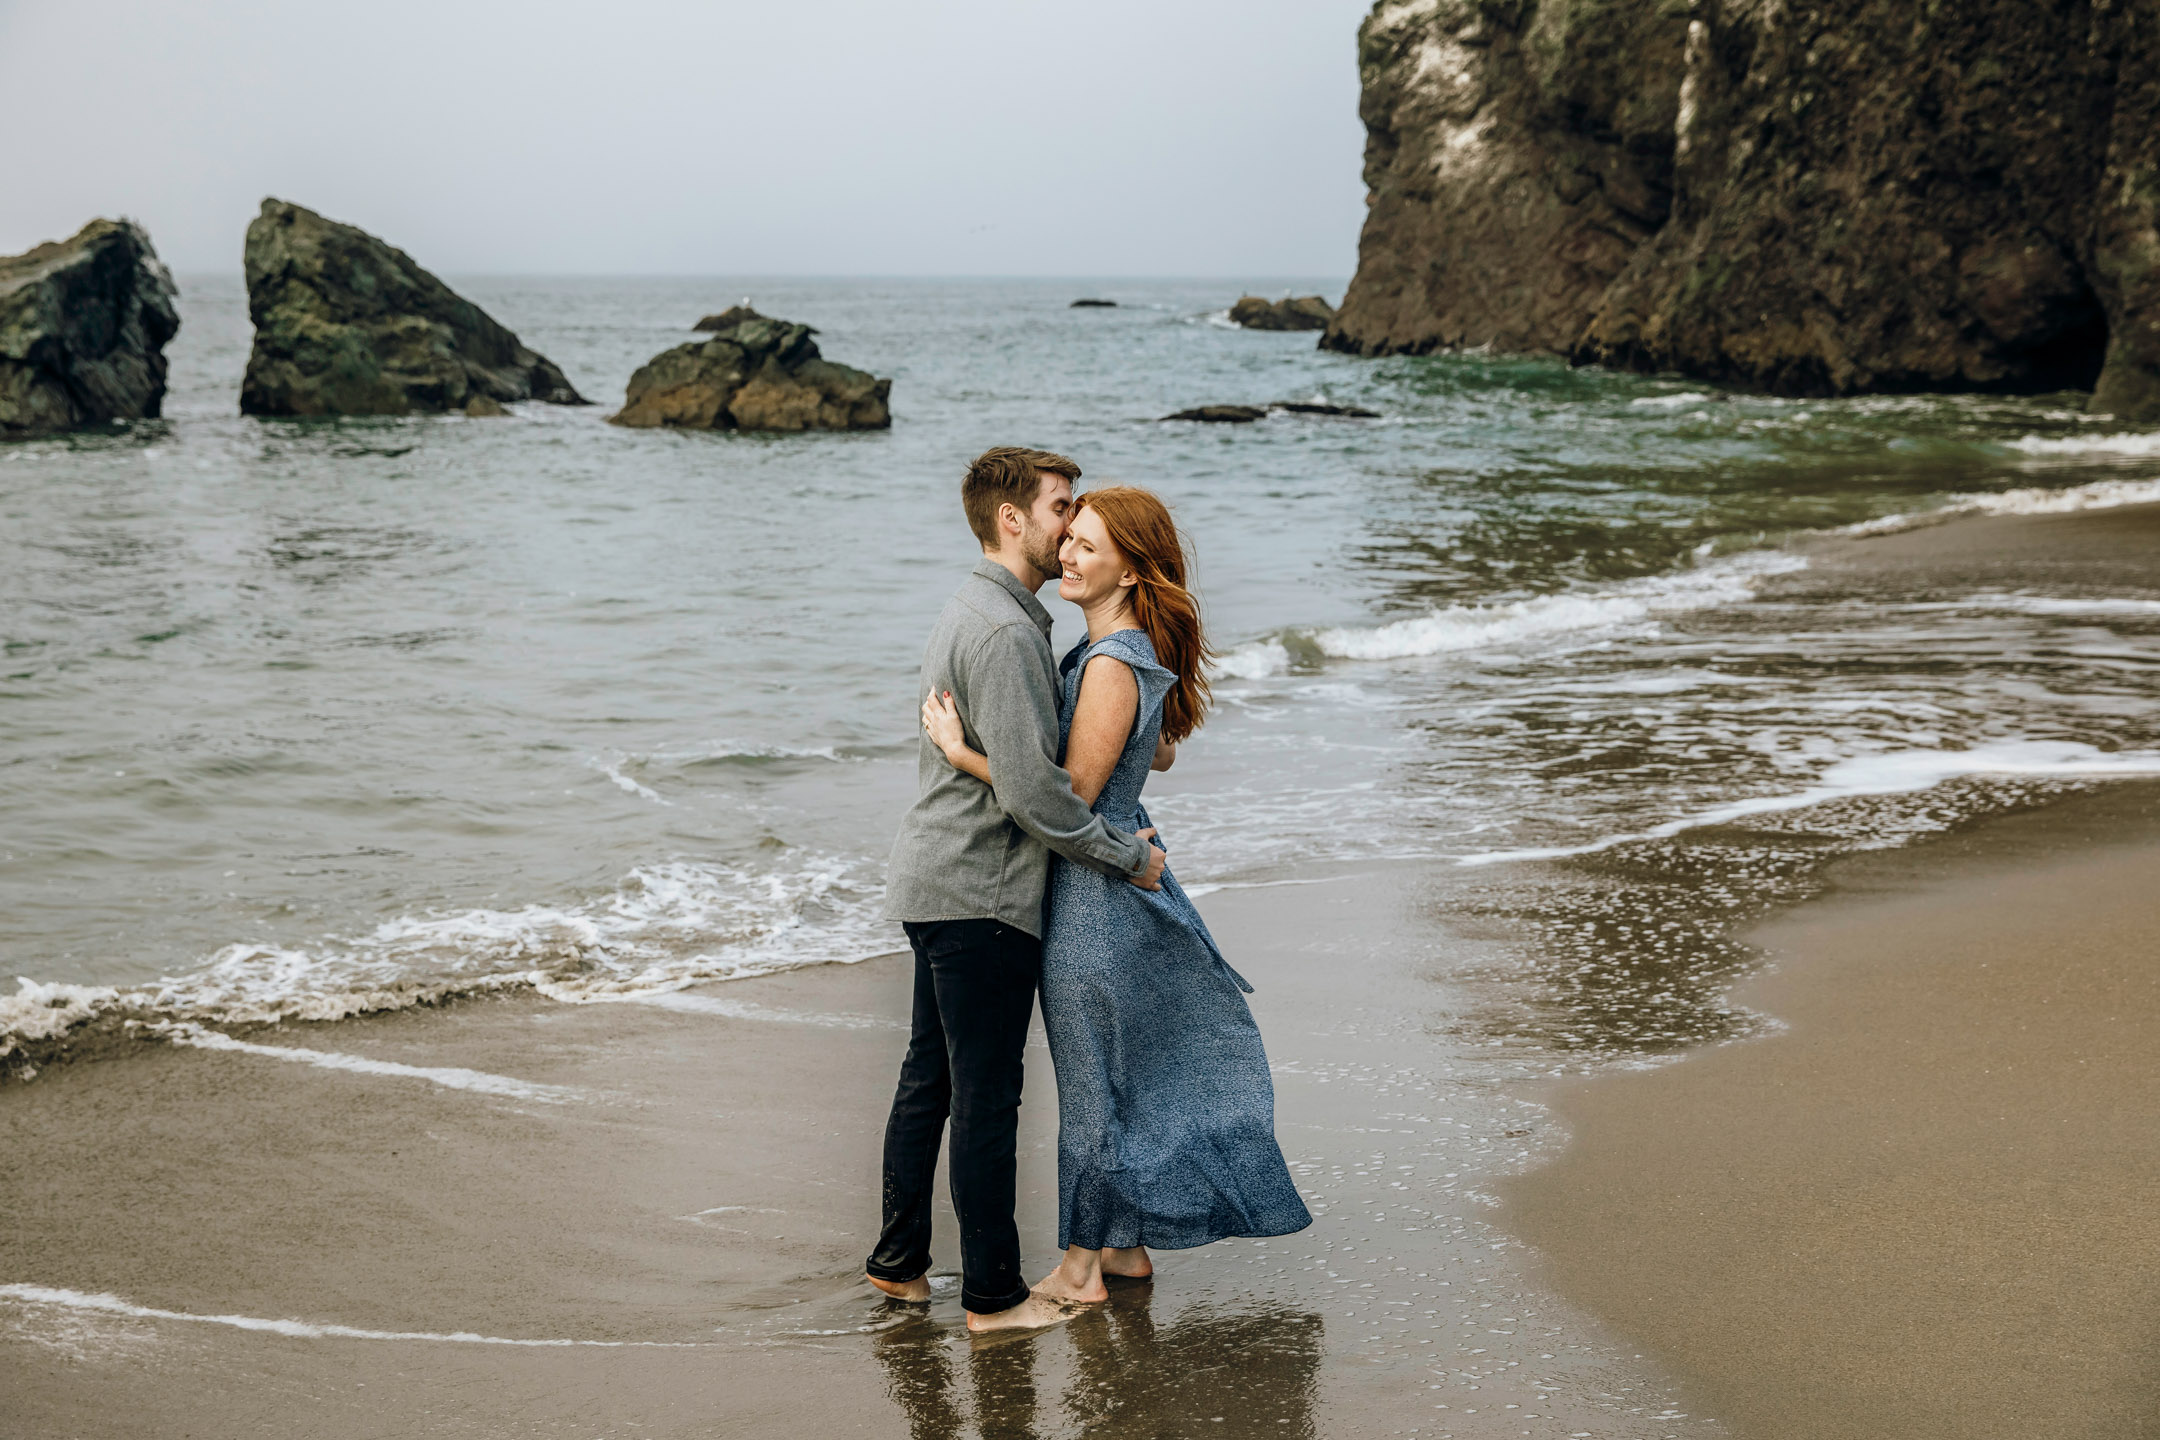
664, 927
1456, 628
1896, 772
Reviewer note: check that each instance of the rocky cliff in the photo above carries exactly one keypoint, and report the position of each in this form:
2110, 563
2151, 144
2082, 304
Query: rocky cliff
1851, 195
758, 374
347, 325
83, 327
1516, 155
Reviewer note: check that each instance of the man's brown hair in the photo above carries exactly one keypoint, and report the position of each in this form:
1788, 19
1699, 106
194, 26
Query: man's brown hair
1008, 474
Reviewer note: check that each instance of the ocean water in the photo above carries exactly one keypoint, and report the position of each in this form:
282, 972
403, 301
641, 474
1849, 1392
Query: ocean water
299, 719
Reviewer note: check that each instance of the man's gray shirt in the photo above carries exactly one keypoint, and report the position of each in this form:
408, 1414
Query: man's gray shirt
966, 851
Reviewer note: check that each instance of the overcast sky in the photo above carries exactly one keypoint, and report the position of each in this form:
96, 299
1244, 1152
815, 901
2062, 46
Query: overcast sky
969, 137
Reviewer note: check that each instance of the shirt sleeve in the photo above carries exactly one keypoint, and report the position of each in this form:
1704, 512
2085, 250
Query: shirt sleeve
1011, 709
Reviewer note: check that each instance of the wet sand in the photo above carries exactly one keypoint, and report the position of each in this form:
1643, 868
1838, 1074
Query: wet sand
1926, 1208
707, 1181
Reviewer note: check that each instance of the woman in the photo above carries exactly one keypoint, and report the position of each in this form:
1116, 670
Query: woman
1166, 1114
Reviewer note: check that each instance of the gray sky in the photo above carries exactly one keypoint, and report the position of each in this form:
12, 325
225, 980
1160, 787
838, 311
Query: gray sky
970, 137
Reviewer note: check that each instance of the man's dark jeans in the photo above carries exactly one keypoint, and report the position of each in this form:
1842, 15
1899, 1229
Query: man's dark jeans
975, 984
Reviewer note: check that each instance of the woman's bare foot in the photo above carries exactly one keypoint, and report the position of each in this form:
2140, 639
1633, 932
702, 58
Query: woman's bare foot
1132, 1264
1033, 1313
1078, 1279
915, 1292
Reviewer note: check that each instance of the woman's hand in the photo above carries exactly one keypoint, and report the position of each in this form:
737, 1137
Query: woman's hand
941, 721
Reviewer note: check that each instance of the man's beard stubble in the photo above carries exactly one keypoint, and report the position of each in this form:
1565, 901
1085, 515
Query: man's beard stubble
1041, 551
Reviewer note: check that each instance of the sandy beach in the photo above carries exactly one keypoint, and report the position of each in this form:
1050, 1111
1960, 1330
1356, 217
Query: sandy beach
1923, 1207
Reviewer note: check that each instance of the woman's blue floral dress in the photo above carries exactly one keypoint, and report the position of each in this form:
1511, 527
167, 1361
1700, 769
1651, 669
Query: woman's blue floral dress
1166, 1113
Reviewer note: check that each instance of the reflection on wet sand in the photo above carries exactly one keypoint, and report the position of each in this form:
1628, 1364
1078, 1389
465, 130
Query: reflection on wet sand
1213, 1371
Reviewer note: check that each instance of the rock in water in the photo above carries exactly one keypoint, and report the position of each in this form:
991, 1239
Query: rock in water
728, 319
1319, 407
1307, 312
83, 328
1222, 414
1857, 195
347, 325
760, 374
1247, 414
1093, 305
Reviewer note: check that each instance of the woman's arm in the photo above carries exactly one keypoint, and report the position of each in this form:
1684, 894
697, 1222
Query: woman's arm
1102, 722
1165, 755
942, 719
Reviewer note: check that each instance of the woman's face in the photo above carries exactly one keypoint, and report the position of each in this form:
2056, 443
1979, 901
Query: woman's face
1093, 569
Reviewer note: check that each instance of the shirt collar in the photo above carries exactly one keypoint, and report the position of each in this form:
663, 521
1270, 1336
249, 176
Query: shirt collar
992, 571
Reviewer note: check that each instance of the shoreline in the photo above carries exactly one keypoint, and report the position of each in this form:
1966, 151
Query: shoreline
1907, 1198
646, 1218
693, 1187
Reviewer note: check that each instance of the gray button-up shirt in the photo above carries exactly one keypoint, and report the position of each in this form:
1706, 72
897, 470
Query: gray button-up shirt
966, 851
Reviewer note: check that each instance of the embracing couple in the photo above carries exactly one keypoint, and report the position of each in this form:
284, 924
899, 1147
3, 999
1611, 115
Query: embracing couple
1027, 861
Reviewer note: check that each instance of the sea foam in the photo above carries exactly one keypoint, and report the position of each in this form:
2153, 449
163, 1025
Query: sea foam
1895, 772
40, 1012
1542, 618
449, 1077
107, 1304
2131, 443
2033, 500
664, 927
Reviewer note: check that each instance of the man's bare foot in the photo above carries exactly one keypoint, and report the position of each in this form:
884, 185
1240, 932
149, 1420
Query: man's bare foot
1132, 1264
1033, 1313
915, 1292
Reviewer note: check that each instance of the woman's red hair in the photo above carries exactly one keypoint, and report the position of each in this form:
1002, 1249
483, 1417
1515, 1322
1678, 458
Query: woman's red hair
1147, 538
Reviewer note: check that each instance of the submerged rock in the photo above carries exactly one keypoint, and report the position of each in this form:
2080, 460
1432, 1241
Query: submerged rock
1858, 195
759, 374
1222, 414
83, 328
1246, 414
729, 318
1306, 312
1311, 407
348, 325
1093, 305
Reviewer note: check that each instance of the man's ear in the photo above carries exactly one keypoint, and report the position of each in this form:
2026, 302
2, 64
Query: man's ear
1009, 518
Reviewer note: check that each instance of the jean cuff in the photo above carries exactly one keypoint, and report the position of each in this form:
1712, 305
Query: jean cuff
893, 1272
979, 1304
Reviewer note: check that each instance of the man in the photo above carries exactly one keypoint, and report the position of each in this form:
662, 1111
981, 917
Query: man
967, 879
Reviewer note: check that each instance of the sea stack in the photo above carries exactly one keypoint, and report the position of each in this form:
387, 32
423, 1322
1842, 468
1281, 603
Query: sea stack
348, 325
1855, 196
1307, 312
758, 374
729, 318
83, 328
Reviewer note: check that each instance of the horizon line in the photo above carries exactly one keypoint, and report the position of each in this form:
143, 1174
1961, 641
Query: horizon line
775, 275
